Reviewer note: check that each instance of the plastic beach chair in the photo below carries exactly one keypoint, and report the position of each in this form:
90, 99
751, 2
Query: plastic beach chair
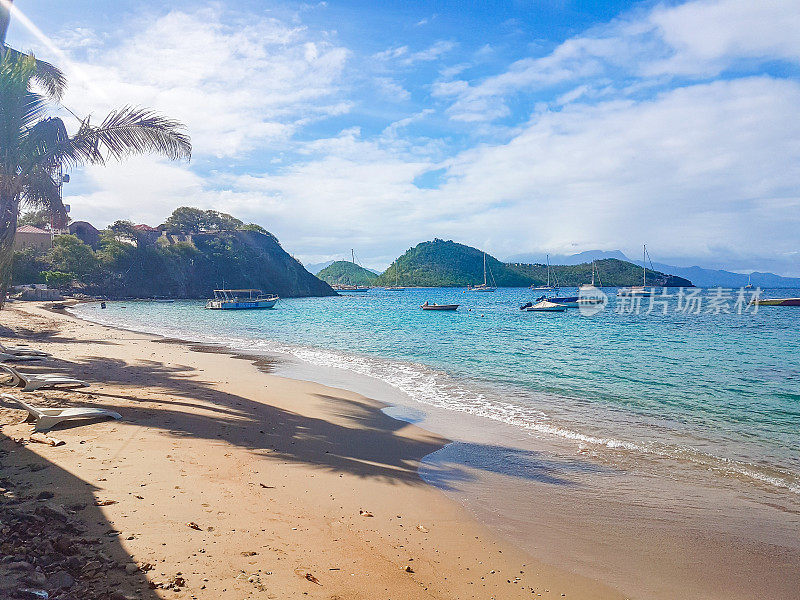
21, 351
29, 382
4, 357
45, 418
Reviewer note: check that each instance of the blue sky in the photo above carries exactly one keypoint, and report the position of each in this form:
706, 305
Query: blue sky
518, 126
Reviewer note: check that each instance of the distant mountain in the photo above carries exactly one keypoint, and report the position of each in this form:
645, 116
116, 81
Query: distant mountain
445, 263
315, 268
700, 276
719, 278
344, 272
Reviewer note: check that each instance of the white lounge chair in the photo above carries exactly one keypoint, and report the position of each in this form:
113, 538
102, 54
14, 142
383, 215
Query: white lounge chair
21, 351
45, 418
4, 357
29, 382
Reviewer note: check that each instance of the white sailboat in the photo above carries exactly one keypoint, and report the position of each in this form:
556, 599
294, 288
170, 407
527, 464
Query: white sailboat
547, 287
638, 290
595, 272
396, 287
484, 287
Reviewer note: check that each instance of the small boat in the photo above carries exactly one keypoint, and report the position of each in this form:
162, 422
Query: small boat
776, 302
591, 286
749, 285
567, 301
639, 290
546, 306
396, 287
349, 288
484, 287
428, 306
547, 287
237, 300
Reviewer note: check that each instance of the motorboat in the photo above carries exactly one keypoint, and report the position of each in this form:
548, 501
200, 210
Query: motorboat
241, 300
428, 306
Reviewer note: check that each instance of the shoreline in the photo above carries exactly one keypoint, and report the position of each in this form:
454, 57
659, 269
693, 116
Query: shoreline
336, 450
654, 537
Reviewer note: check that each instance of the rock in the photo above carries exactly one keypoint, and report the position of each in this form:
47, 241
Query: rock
408, 569
36, 578
45, 495
52, 511
92, 565
63, 544
27, 593
41, 438
60, 580
131, 568
193, 525
19, 566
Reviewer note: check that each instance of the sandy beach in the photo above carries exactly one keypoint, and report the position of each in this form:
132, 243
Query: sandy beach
224, 481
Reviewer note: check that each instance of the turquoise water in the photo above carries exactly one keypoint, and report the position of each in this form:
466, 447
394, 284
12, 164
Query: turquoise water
721, 391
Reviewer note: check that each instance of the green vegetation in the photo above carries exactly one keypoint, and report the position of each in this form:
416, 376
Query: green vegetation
193, 220
36, 146
131, 264
343, 272
447, 264
612, 273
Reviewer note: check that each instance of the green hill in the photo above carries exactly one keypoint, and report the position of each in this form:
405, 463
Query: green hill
448, 264
612, 273
445, 263
344, 272
119, 269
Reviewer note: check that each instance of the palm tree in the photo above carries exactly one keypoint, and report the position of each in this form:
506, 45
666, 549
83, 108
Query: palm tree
34, 146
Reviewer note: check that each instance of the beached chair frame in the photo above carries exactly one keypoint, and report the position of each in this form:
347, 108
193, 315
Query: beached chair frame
46, 418
30, 382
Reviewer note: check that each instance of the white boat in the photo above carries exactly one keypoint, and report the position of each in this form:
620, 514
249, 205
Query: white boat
241, 300
547, 287
749, 285
428, 306
484, 287
546, 306
590, 286
639, 290
396, 287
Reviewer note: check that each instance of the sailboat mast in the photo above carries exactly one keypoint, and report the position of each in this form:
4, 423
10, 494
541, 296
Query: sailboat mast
593, 267
644, 265
484, 269
353, 254
548, 270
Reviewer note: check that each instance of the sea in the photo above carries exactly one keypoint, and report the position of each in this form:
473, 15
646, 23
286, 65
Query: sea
677, 412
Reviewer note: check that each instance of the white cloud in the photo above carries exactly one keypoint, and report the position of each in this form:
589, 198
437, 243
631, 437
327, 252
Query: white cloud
695, 39
235, 84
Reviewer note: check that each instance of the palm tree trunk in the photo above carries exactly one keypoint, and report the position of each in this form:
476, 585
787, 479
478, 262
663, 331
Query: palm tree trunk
9, 207
5, 19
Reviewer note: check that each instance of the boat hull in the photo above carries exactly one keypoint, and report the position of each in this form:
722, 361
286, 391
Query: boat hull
777, 302
241, 305
440, 307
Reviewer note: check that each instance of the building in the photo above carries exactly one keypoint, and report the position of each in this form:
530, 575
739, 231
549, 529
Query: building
86, 232
146, 235
28, 236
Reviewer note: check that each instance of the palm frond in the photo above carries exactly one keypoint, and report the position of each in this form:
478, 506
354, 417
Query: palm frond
49, 77
46, 145
133, 130
41, 191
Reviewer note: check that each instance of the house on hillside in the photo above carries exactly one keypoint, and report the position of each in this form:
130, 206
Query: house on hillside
28, 236
86, 232
147, 235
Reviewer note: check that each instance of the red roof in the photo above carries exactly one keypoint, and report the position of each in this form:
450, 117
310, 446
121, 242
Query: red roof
31, 229
144, 228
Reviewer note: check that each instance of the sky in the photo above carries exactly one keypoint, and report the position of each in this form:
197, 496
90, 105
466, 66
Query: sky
515, 126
